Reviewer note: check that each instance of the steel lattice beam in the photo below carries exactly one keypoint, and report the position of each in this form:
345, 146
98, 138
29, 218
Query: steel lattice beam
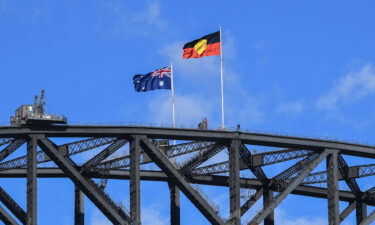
162, 161
291, 186
369, 219
114, 213
251, 201
185, 148
351, 182
6, 217
269, 158
215, 180
12, 205
104, 153
4, 141
256, 170
13, 146
204, 142
201, 157
257, 160
271, 140
67, 149
345, 213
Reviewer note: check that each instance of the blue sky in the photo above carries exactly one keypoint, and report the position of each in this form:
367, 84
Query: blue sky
304, 68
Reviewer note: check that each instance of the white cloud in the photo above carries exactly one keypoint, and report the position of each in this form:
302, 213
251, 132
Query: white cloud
189, 109
150, 16
294, 107
127, 21
99, 219
151, 216
353, 87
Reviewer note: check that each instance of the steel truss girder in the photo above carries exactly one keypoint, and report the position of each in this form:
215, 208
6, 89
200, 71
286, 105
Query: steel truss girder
4, 141
369, 194
291, 186
13, 146
257, 160
346, 212
12, 205
251, 201
256, 170
361, 211
114, 213
353, 172
201, 157
269, 158
179, 179
171, 151
213, 180
281, 181
369, 219
262, 139
6, 217
104, 153
185, 148
67, 149
351, 182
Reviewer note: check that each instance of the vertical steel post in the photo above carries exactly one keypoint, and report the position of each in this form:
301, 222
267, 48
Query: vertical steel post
31, 217
234, 182
332, 189
135, 204
267, 198
361, 211
79, 207
174, 203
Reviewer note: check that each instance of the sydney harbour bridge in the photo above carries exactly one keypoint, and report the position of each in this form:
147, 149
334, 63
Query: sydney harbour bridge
184, 166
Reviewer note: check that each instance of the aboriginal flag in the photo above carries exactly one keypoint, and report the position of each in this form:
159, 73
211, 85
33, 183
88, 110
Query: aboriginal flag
204, 46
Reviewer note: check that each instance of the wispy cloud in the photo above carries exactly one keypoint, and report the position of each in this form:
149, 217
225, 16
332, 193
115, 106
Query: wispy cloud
189, 109
123, 20
353, 87
284, 219
291, 108
151, 216
98, 218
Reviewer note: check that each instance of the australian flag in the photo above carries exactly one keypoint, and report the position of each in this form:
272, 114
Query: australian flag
159, 79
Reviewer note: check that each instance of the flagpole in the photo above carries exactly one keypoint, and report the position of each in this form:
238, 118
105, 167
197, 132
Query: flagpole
222, 82
173, 104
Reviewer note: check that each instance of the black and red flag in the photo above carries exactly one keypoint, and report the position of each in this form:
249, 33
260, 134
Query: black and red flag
204, 46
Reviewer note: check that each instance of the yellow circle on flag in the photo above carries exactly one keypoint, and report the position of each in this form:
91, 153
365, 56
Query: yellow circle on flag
200, 47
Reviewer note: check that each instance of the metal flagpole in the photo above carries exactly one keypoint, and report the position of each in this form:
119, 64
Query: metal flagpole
173, 105
222, 82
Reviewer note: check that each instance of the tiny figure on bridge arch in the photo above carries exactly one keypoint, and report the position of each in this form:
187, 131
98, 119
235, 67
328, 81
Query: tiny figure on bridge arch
203, 125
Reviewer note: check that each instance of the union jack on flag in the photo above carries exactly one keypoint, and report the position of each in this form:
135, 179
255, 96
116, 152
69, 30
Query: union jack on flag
158, 79
166, 71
